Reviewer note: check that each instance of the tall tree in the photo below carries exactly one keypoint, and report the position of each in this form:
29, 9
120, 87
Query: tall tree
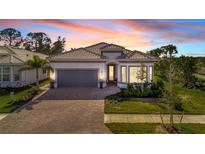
156, 52
169, 50
11, 36
186, 67
37, 63
38, 42
58, 46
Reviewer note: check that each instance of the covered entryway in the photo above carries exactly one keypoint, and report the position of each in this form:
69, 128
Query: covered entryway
77, 78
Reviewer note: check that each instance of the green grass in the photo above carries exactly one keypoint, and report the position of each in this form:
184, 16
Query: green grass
127, 128
5, 107
193, 103
145, 128
136, 107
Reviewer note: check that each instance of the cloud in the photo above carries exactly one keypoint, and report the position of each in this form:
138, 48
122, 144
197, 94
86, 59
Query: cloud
167, 30
74, 26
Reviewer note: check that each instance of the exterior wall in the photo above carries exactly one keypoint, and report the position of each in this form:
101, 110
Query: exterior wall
102, 70
112, 55
79, 65
30, 75
124, 85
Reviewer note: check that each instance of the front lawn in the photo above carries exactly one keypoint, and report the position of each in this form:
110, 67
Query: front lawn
6, 106
193, 103
145, 128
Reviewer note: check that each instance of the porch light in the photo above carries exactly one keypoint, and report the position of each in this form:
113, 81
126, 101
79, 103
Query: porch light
101, 75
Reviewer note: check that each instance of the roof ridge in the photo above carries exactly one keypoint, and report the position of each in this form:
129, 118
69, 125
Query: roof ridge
71, 50
10, 49
96, 44
114, 45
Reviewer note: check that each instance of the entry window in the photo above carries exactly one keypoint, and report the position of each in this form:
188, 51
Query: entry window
123, 74
111, 73
137, 74
151, 73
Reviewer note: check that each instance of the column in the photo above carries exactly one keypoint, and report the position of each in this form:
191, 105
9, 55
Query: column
127, 73
148, 73
11, 73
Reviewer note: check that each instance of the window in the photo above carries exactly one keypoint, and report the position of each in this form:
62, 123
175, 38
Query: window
111, 73
16, 73
1, 73
123, 74
137, 74
44, 71
6, 73
151, 73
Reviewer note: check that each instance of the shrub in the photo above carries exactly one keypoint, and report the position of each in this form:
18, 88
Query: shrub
116, 98
154, 89
178, 104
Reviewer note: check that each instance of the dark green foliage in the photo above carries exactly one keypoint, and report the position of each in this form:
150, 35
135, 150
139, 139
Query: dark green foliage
18, 102
155, 52
186, 67
52, 84
178, 106
38, 42
154, 89
58, 46
116, 98
11, 37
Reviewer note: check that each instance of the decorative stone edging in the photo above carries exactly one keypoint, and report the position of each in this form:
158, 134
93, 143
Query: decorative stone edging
151, 118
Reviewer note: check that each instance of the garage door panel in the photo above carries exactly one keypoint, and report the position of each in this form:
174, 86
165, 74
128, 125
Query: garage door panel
77, 78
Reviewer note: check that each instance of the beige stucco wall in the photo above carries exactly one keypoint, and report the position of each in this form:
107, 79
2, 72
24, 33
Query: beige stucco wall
30, 75
79, 65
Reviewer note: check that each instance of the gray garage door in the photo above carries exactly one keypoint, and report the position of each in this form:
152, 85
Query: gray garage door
77, 78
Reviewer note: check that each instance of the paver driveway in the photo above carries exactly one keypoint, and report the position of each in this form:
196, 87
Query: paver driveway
59, 116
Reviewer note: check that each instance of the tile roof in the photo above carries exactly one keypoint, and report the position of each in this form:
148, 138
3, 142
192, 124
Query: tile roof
94, 52
77, 54
19, 55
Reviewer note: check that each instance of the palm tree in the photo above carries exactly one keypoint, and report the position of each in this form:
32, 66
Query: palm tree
37, 63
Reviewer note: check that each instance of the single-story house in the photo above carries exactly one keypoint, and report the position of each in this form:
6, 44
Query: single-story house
13, 72
102, 62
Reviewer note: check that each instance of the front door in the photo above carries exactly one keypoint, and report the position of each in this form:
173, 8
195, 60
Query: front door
111, 73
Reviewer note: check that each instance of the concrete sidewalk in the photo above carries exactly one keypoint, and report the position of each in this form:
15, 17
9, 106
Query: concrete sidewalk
151, 118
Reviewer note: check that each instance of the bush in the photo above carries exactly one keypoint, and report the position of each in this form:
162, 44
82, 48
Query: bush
116, 98
154, 89
52, 83
178, 104
25, 98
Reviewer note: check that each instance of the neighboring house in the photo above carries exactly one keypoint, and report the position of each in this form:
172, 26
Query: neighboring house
113, 64
13, 72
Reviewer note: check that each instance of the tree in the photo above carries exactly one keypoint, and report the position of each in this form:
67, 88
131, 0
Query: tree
38, 42
165, 53
156, 52
11, 36
186, 67
167, 66
142, 76
58, 46
37, 63
169, 51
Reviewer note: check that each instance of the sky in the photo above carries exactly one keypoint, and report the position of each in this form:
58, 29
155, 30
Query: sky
134, 34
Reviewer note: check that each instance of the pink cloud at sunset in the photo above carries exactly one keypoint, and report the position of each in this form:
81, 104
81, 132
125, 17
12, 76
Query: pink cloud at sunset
130, 33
